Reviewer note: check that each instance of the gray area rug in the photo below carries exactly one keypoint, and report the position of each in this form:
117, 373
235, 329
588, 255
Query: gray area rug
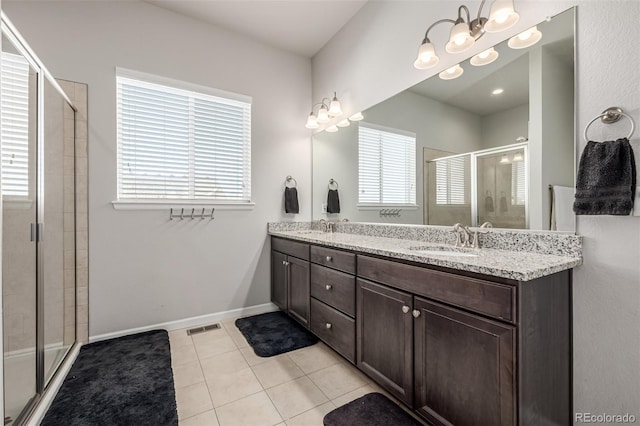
123, 381
373, 409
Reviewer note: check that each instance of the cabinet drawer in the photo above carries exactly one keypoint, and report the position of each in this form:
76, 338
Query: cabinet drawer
493, 299
337, 259
334, 328
292, 248
334, 288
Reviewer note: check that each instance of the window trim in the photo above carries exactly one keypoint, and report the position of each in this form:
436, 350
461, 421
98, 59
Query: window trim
164, 203
378, 206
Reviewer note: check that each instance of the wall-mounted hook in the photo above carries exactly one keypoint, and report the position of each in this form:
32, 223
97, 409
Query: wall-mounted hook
171, 214
212, 210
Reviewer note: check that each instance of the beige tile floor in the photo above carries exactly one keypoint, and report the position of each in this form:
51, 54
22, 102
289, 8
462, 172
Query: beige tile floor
220, 381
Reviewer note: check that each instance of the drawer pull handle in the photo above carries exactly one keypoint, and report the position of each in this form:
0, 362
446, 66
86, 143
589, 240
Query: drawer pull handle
328, 287
416, 313
329, 258
405, 309
328, 325
284, 262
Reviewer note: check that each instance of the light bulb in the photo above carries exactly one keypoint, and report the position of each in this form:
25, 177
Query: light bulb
451, 73
525, 39
344, 123
323, 115
484, 58
312, 122
460, 38
332, 129
334, 108
517, 157
501, 17
504, 160
356, 117
427, 57
497, 91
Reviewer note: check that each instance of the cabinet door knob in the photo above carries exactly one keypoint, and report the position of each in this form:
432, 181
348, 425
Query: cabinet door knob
416, 313
328, 287
328, 325
284, 262
329, 258
405, 309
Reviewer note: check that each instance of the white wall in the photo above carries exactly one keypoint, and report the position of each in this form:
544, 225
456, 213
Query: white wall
381, 41
436, 125
502, 128
144, 270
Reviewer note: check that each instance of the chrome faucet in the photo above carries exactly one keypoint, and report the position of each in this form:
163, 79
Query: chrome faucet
462, 235
476, 243
323, 225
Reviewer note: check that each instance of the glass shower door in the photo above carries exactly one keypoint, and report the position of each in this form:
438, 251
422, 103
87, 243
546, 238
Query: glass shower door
19, 209
56, 250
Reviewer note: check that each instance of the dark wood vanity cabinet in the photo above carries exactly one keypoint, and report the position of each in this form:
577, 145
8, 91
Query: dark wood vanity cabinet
459, 348
290, 278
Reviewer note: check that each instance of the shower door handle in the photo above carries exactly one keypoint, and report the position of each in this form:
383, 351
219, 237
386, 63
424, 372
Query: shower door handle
37, 232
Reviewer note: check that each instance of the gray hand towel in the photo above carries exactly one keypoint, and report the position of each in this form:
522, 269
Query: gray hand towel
333, 201
606, 182
291, 200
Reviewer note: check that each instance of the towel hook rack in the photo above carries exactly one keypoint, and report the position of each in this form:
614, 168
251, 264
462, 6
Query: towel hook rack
288, 181
333, 182
609, 116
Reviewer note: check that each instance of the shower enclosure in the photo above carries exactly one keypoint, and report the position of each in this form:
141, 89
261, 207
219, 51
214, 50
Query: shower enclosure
476, 187
37, 184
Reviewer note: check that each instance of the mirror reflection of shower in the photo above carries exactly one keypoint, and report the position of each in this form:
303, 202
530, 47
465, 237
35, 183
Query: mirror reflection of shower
482, 186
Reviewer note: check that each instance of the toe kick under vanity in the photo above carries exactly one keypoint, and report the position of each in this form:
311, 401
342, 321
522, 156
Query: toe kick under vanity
469, 337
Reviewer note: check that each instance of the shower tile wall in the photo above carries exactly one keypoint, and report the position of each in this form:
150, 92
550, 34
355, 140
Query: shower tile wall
77, 92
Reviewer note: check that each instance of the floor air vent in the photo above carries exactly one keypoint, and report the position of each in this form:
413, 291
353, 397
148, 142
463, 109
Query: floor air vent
203, 329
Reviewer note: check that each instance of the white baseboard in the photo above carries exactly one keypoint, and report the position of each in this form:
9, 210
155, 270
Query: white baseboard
54, 386
190, 322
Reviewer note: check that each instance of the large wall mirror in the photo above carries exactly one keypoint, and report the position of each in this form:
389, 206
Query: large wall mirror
488, 145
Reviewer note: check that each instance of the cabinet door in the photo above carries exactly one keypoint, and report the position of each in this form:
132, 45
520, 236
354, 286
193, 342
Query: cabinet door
299, 290
464, 367
385, 338
279, 279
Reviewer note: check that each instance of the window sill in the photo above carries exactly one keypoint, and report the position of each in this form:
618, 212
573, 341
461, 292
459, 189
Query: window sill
180, 204
17, 203
387, 206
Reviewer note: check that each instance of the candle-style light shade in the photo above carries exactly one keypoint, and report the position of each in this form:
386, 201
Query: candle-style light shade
501, 17
460, 38
484, 58
427, 57
525, 39
323, 115
334, 107
312, 122
343, 123
451, 73
356, 117
332, 129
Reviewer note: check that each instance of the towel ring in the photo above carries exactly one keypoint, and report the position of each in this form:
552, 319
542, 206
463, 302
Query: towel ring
609, 116
333, 182
288, 181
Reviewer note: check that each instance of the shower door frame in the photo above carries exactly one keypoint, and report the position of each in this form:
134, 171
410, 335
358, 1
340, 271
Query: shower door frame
8, 30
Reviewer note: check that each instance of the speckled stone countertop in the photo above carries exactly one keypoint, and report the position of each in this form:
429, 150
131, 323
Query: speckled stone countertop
517, 264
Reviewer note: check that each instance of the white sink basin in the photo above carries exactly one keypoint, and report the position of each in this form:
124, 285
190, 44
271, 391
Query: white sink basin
442, 251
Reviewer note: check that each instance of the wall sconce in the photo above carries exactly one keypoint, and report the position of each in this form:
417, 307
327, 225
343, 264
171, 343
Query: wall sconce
484, 58
328, 109
525, 39
451, 73
464, 34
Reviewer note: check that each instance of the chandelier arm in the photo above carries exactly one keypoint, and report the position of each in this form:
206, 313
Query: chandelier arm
426, 34
460, 9
480, 10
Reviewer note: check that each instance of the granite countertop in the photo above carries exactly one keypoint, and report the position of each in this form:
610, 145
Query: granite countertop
516, 265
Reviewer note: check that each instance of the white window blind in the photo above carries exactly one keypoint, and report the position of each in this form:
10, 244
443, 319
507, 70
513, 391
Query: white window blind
518, 182
386, 166
178, 144
14, 125
451, 181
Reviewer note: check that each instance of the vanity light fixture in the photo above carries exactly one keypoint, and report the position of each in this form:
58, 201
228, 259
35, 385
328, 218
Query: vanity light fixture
517, 157
484, 58
332, 129
504, 160
451, 73
343, 123
329, 108
525, 39
497, 91
464, 33
356, 117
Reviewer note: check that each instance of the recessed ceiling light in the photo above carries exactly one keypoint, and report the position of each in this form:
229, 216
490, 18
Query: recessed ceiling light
497, 91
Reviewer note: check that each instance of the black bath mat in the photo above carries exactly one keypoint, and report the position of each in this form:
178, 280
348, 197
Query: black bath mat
274, 333
123, 381
373, 409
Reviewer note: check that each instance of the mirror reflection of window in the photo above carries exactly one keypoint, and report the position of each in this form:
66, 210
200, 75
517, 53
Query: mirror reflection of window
14, 86
386, 166
452, 185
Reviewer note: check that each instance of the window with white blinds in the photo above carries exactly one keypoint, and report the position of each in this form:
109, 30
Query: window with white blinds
181, 144
518, 182
386, 166
451, 180
14, 125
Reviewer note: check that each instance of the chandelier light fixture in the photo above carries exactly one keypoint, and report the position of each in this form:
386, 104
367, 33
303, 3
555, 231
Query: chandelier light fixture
464, 33
329, 108
525, 39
